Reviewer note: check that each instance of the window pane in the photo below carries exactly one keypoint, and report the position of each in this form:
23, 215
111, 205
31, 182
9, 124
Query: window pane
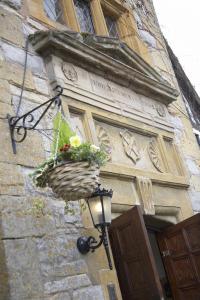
111, 26
53, 10
84, 15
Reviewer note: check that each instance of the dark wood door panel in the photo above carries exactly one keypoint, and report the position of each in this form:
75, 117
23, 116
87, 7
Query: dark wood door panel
180, 245
133, 257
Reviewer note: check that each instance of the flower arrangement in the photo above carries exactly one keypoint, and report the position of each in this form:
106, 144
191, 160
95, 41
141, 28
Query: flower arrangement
67, 147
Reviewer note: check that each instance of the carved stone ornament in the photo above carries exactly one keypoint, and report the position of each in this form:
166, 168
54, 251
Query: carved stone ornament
69, 71
104, 140
130, 145
160, 110
145, 193
154, 155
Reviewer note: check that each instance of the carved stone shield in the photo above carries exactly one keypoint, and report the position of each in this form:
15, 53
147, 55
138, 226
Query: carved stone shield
69, 72
130, 145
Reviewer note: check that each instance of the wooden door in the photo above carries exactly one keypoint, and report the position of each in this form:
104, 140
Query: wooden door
133, 257
180, 248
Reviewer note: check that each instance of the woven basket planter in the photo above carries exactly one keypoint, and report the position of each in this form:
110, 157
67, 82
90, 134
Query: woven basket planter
74, 180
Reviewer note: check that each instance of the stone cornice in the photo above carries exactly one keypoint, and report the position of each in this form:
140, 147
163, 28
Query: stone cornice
107, 57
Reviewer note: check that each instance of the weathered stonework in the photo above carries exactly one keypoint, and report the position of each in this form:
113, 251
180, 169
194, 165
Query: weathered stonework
13, 73
11, 28
39, 258
13, 3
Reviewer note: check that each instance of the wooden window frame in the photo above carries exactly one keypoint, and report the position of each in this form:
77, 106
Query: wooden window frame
126, 25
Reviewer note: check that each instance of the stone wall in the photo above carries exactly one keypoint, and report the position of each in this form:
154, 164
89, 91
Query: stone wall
39, 258
38, 254
150, 33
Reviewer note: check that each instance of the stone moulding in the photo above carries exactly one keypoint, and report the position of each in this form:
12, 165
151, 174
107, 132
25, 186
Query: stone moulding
144, 189
154, 155
120, 64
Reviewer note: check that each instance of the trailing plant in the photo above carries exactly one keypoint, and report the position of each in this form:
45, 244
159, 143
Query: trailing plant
67, 146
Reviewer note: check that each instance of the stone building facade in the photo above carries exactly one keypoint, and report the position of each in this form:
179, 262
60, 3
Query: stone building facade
119, 89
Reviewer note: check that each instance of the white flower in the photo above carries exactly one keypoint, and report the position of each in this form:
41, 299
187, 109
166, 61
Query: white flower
94, 148
75, 141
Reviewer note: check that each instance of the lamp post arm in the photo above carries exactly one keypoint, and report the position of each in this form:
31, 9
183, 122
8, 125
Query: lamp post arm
86, 244
93, 244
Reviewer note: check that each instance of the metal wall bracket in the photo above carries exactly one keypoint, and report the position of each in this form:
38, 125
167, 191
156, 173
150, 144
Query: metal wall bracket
19, 126
86, 244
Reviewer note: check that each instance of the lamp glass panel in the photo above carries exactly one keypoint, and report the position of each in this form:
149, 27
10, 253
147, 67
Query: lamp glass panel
107, 208
97, 210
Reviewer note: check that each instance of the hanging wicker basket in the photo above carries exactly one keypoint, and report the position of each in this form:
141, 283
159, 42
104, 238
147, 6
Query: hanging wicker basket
74, 180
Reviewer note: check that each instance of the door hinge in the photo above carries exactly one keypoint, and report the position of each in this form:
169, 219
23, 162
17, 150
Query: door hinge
165, 253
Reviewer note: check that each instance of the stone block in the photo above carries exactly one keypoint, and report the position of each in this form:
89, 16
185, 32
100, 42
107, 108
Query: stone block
5, 109
16, 4
4, 286
63, 217
5, 95
30, 99
23, 268
195, 182
11, 180
195, 196
13, 73
70, 269
72, 282
41, 85
192, 166
22, 217
17, 55
58, 251
60, 296
29, 153
89, 293
11, 27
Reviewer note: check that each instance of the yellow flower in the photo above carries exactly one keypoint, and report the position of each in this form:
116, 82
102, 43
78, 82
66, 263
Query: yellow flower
75, 141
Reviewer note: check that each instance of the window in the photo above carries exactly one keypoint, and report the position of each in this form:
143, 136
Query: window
53, 10
83, 13
102, 17
111, 23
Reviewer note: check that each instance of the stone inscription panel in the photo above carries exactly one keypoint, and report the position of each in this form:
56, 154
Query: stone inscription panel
107, 92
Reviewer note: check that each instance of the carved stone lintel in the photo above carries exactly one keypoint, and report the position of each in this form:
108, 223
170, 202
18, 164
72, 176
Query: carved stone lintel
154, 155
130, 145
144, 189
104, 140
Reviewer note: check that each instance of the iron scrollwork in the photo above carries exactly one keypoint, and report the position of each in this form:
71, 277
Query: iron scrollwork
86, 244
19, 125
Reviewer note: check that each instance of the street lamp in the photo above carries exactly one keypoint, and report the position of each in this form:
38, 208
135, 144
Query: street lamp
99, 205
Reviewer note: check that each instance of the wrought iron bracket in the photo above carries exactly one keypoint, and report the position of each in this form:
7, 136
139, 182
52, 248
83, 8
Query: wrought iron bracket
19, 125
86, 244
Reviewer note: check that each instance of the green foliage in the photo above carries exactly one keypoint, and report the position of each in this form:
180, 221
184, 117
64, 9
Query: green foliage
40, 175
84, 153
62, 132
